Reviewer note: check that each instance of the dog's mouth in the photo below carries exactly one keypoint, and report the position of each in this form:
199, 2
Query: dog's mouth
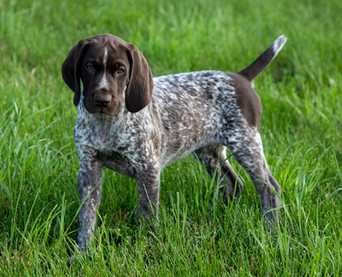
108, 110
111, 109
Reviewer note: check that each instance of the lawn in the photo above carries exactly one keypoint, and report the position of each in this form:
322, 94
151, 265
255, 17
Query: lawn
301, 128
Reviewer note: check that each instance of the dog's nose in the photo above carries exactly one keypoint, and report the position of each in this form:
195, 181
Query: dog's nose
102, 99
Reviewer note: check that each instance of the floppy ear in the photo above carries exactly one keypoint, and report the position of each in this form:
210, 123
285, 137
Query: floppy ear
71, 71
140, 86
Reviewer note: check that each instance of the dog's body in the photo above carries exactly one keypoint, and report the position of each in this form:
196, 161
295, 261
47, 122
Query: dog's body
122, 125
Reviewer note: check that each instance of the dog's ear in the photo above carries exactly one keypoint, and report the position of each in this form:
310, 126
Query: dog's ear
71, 69
140, 86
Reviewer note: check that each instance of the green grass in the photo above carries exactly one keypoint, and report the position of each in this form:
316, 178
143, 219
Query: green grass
301, 131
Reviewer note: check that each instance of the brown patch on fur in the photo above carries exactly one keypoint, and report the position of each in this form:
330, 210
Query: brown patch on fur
248, 100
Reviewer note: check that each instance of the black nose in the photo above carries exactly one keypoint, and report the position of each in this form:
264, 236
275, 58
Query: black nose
102, 99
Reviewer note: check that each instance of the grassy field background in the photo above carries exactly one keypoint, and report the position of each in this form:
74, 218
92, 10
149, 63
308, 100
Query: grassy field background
301, 128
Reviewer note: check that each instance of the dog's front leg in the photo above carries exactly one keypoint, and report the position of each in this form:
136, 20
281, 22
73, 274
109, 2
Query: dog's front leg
148, 180
89, 188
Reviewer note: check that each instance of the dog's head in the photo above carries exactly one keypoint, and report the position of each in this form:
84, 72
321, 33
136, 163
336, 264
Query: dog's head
111, 70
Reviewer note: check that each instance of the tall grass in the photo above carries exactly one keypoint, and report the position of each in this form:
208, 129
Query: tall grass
301, 131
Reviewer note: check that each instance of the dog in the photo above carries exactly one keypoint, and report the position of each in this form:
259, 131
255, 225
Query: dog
135, 124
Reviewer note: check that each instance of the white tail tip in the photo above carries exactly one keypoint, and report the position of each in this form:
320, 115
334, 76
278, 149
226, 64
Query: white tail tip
278, 44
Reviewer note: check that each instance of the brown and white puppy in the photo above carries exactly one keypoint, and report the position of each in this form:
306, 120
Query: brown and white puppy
135, 124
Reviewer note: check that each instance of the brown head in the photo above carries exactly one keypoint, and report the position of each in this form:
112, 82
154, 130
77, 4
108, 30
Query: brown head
109, 68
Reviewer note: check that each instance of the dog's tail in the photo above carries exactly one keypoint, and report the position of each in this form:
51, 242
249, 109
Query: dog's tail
264, 59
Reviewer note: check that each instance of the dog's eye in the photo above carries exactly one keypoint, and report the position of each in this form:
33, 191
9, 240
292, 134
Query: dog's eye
120, 70
89, 67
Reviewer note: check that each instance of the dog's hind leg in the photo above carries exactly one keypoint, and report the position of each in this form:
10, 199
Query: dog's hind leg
217, 165
246, 146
